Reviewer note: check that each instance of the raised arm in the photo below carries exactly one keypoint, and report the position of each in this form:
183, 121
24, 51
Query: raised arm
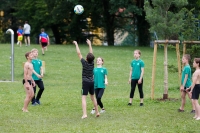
90, 46
78, 50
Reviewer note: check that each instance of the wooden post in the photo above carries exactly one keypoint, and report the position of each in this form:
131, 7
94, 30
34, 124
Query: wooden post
43, 66
179, 62
165, 95
153, 70
184, 48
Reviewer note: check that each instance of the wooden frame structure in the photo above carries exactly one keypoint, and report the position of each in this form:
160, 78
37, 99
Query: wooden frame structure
188, 42
165, 42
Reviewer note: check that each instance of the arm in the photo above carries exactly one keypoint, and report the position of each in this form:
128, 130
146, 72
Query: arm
26, 84
78, 50
90, 46
141, 75
25, 72
41, 71
184, 82
39, 76
130, 74
106, 80
40, 40
48, 42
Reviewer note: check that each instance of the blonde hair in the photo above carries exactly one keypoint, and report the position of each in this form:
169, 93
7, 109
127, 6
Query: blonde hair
139, 52
187, 56
34, 49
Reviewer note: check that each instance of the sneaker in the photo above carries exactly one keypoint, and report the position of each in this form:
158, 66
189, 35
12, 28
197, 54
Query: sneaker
141, 104
93, 111
37, 102
129, 104
34, 104
193, 111
103, 111
180, 110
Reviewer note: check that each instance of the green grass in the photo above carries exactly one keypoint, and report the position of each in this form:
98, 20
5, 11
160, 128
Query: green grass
61, 110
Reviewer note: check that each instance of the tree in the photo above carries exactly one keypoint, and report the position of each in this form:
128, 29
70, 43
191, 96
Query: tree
166, 17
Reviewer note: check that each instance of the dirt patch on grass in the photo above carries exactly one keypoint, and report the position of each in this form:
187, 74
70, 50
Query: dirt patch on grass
168, 99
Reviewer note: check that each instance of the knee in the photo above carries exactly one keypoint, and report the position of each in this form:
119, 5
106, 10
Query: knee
98, 99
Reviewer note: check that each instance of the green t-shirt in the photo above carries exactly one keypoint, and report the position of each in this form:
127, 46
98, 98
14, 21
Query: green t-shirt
99, 77
37, 64
186, 70
136, 68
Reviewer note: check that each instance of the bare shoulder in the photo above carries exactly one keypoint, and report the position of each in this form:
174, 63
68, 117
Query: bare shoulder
28, 65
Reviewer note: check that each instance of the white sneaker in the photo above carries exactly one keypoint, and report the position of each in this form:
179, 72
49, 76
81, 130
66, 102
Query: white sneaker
103, 111
93, 111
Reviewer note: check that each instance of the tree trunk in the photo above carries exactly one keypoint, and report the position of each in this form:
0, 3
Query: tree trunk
143, 27
165, 95
109, 21
56, 34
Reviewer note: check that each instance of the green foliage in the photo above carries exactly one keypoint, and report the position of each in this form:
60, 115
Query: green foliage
191, 27
165, 22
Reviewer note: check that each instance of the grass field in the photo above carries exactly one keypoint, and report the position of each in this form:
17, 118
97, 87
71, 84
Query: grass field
60, 111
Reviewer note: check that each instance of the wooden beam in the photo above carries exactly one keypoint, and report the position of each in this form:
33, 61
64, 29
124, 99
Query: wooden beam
167, 41
191, 42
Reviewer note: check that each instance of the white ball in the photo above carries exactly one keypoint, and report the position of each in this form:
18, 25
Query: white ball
78, 9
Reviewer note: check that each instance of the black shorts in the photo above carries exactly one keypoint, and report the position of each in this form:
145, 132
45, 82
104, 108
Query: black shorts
26, 35
87, 87
44, 44
30, 82
196, 92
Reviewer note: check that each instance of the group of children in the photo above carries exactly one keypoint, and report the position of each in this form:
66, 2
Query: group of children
191, 88
43, 38
94, 81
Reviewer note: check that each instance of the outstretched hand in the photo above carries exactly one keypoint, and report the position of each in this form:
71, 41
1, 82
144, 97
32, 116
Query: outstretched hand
88, 42
75, 42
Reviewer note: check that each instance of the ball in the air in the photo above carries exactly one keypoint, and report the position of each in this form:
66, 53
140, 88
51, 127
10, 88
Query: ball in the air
78, 9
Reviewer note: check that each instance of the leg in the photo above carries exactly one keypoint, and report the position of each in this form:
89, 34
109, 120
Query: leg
29, 96
25, 40
133, 85
140, 88
34, 90
95, 105
84, 106
42, 50
193, 106
99, 96
28, 39
182, 100
39, 94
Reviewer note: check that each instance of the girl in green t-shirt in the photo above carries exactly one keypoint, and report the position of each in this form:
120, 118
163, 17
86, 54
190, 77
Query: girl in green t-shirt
136, 76
100, 81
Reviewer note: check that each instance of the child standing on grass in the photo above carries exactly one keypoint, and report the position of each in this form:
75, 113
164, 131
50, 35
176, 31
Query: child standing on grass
37, 66
28, 82
195, 88
136, 76
185, 82
87, 78
44, 40
19, 36
100, 80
